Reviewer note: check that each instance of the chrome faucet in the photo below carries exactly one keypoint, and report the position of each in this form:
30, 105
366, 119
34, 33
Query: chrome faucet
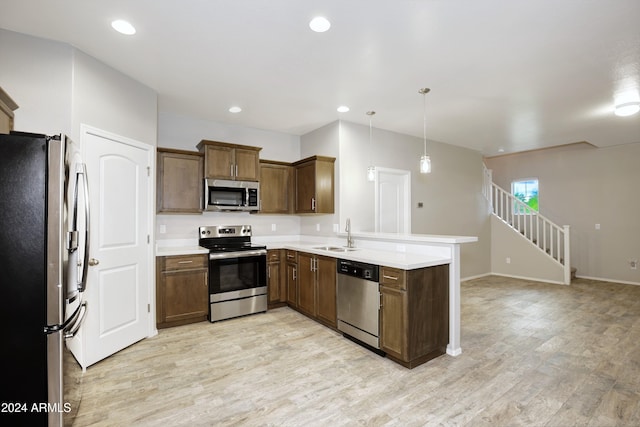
348, 230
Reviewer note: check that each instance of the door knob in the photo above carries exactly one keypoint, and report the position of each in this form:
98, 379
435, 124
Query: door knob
93, 262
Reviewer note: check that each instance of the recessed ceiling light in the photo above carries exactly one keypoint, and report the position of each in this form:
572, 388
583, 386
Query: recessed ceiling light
235, 109
343, 109
123, 27
627, 109
319, 24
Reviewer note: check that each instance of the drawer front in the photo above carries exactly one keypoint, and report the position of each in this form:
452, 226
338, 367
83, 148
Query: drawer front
292, 256
273, 255
185, 262
393, 277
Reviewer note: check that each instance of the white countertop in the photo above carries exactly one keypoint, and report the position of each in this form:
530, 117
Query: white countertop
179, 247
411, 238
402, 260
397, 256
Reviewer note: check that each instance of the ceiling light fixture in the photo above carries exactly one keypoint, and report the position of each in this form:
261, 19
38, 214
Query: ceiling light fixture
425, 160
235, 110
123, 27
627, 109
320, 24
371, 170
343, 109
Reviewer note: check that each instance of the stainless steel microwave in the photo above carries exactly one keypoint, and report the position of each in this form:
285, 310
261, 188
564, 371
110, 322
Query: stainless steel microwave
227, 195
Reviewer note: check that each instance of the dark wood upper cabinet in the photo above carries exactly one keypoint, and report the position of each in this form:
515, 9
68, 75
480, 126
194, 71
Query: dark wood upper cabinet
276, 189
179, 181
314, 179
230, 161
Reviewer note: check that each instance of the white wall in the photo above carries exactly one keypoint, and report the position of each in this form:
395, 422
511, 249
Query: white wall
58, 88
524, 259
323, 141
106, 99
37, 74
582, 186
175, 131
451, 194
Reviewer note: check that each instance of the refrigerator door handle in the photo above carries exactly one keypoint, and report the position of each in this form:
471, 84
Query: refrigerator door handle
79, 317
81, 171
73, 320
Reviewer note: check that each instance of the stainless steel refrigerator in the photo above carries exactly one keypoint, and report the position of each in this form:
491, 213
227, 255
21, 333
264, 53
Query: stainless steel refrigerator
44, 218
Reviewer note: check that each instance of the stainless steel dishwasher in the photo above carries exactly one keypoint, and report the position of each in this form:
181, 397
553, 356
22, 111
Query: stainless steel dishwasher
359, 301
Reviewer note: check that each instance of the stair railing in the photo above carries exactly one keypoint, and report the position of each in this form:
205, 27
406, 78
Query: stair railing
539, 230
487, 181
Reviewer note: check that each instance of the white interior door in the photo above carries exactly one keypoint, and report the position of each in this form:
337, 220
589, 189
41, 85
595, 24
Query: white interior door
118, 287
393, 201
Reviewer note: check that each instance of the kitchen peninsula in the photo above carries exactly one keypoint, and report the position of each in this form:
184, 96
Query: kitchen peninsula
405, 252
402, 252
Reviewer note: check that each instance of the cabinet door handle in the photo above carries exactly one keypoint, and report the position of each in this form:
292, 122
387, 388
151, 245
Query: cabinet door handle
185, 262
313, 203
236, 169
389, 277
294, 273
231, 169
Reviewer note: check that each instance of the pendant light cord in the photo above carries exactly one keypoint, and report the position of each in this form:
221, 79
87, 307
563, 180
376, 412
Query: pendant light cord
424, 120
424, 91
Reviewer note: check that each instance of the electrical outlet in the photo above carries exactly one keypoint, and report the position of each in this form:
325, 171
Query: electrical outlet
317, 227
633, 263
336, 228
508, 260
163, 228
273, 227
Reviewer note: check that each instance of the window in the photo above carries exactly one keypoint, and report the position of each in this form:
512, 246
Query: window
526, 190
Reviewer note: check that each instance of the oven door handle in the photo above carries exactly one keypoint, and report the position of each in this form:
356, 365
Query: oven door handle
239, 254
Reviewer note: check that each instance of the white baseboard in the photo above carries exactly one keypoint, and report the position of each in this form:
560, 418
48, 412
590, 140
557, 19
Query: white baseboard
479, 276
599, 279
533, 279
602, 279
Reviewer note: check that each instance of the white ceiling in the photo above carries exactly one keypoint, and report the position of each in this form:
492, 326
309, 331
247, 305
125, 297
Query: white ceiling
515, 74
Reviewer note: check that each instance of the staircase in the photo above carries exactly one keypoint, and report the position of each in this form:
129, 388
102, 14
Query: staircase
548, 237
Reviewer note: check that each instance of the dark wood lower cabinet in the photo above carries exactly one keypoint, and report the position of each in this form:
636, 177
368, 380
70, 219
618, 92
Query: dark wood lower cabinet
182, 291
316, 287
292, 278
276, 281
306, 284
326, 285
414, 304
414, 314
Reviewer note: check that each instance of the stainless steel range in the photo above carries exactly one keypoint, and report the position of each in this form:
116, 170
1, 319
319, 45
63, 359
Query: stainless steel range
237, 271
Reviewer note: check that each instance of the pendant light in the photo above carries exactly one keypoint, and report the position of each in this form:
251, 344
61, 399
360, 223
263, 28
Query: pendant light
371, 170
425, 160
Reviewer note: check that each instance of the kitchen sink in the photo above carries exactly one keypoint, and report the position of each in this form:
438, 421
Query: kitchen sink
335, 248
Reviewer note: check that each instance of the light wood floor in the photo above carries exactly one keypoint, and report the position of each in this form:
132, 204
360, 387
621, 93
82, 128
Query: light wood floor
533, 354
